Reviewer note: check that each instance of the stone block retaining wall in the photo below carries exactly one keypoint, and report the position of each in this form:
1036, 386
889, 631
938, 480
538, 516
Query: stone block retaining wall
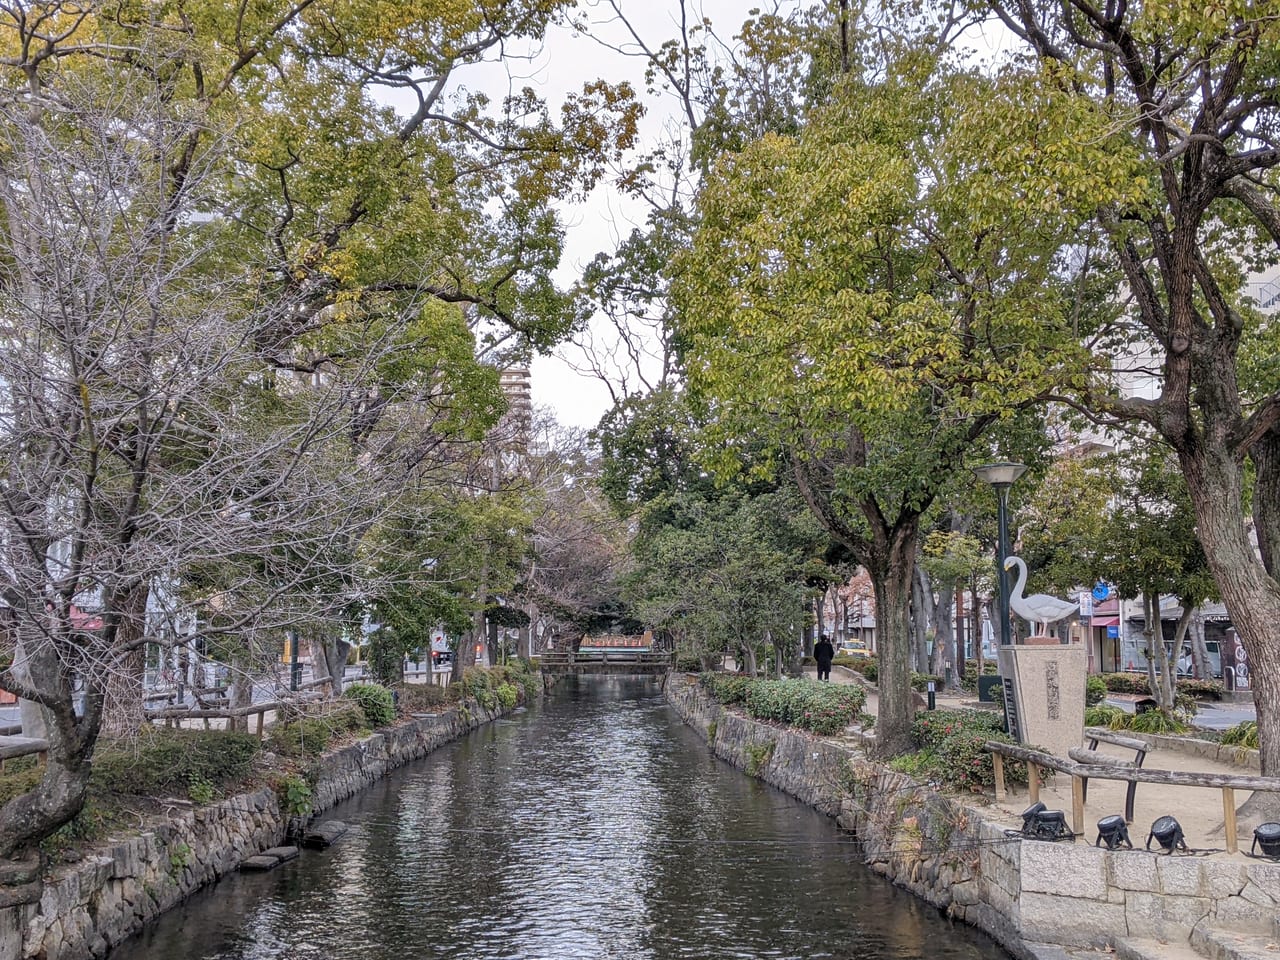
1024, 893
81, 910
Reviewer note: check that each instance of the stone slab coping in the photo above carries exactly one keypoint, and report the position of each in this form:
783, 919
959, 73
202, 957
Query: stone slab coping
260, 862
281, 853
324, 834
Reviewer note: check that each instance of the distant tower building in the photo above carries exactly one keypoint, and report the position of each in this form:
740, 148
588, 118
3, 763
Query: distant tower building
518, 422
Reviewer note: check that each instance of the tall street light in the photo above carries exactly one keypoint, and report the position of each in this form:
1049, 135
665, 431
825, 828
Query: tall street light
1001, 476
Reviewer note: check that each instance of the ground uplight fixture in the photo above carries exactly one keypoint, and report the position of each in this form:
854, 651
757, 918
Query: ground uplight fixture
1041, 824
1167, 832
1029, 818
1113, 833
1267, 836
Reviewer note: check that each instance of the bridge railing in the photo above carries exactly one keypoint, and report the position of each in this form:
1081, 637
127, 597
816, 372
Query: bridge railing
565, 657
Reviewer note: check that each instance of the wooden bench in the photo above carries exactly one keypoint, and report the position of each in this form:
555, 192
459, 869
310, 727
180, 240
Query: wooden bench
1091, 757
13, 747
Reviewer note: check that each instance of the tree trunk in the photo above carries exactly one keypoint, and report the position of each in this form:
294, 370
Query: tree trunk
123, 708
892, 587
943, 628
922, 609
1157, 658
1199, 649
491, 637
1251, 596
747, 661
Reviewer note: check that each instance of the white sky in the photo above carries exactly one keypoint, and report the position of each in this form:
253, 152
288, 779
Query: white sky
563, 65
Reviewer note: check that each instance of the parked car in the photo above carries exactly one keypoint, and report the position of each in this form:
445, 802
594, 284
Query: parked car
853, 648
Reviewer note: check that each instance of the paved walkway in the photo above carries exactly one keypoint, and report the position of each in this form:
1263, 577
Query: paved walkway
1197, 809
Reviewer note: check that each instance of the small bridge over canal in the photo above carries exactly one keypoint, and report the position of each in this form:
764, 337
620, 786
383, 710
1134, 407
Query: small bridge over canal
609, 654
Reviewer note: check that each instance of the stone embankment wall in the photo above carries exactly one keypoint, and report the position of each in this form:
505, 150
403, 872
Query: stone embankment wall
1026, 894
83, 909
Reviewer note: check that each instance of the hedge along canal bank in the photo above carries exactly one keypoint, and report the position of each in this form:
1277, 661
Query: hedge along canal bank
83, 909
1034, 898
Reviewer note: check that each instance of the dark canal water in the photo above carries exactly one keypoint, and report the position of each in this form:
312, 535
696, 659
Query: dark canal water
595, 826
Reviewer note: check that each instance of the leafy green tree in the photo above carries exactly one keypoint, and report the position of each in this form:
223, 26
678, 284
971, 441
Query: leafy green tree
1190, 93
869, 299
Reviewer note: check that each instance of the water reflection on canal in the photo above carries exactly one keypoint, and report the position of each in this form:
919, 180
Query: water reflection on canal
595, 826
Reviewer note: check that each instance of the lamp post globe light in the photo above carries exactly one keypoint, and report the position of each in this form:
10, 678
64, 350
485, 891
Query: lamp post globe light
1001, 476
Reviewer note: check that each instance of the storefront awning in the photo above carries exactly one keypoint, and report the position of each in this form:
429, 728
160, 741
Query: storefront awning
1105, 622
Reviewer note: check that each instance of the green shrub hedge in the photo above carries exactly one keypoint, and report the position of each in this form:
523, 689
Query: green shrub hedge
164, 762
823, 708
309, 736
1095, 691
867, 666
688, 663
1202, 689
952, 752
376, 701
423, 697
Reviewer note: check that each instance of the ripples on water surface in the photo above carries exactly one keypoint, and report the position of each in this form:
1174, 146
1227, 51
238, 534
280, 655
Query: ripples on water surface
595, 826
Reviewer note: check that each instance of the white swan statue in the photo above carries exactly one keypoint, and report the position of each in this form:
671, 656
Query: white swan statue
1039, 608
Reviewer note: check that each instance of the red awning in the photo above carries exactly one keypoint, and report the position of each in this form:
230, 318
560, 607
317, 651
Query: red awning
1105, 622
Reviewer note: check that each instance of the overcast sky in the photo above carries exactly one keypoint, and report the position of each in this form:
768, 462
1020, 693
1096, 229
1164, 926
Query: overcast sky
564, 64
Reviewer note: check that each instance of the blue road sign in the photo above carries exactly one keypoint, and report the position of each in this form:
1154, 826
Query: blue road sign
1100, 591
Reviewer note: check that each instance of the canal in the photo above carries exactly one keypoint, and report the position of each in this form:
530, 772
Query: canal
594, 826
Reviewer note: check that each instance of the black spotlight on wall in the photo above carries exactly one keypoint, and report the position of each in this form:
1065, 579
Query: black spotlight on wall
1167, 832
1113, 832
1029, 819
1267, 836
1052, 825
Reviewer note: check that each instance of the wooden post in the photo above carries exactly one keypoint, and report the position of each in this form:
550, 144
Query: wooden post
1033, 782
997, 766
1229, 818
1077, 805
262, 716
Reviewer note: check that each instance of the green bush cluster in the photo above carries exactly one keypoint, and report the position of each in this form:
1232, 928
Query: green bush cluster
423, 697
688, 663
727, 688
309, 736
165, 762
952, 749
823, 708
1095, 691
971, 672
867, 666
1243, 734
1105, 715
920, 681
485, 686
1201, 689
1136, 683
507, 695
376, 701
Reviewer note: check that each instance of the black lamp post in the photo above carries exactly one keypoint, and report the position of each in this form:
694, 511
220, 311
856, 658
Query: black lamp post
1001, 476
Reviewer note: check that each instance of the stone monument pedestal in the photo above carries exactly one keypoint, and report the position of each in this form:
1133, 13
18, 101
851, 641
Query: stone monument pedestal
1044, 693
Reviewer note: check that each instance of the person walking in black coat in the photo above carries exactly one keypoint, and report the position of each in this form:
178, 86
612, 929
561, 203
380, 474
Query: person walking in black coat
824, 653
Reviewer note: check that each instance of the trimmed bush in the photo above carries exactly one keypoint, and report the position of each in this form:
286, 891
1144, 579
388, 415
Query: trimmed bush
867, 666
1201, 689
970, 679
309, 736
920, 681
376, 701
507, 695
423, 697
726, 688
1127, 683
164, 762
688, 663
823, 708
952, 749
1095, 691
